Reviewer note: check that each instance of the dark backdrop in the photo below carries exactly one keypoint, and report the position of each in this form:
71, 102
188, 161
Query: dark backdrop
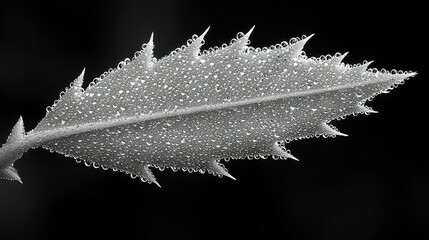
373, 184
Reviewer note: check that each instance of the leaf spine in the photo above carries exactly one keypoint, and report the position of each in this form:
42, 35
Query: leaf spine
338, 59
296, 47
149, 175
331, 130
10, 173
362, 67
364, 109
242, 41
281, 151
147, 52
17, 133
195, 46
217, 168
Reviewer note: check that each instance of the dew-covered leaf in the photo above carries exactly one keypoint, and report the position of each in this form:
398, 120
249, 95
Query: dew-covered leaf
191, 109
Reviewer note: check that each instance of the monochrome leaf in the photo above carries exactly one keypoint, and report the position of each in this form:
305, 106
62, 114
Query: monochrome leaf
191, 109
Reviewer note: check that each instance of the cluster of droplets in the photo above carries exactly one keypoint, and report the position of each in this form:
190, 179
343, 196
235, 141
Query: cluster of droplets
249, 49
104, 75
97, 165
189, 42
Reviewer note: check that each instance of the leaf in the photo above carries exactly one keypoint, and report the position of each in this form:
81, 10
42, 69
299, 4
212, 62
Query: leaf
190, 109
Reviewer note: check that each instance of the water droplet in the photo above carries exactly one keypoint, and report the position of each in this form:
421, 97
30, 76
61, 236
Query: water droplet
284, 44
218, 88
359, 93
293, 41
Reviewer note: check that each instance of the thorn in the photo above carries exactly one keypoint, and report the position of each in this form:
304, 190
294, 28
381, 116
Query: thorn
151, 39
339, 59
157, 184
82, 73
204, 33
365, 109
241, 43
401, 76
289, 155
17, 133
194, 48
282, 152
76, 89
229, 175
147, 54
307, 38
219, 169
243, 40
330, 130
149, 175
249, 32
10, 173
297, 47
79, 81
362, 68
411, 74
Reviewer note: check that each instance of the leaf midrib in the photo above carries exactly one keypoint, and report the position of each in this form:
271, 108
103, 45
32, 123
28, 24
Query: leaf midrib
38, 138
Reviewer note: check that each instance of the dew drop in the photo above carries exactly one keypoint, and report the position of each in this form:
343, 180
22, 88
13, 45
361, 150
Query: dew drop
284, 44
293, 41
218, 88
359, 93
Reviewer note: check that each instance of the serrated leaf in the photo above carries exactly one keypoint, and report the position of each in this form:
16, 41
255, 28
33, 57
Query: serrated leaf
190, 109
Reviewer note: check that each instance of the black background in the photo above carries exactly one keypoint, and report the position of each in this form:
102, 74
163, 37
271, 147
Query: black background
373, 184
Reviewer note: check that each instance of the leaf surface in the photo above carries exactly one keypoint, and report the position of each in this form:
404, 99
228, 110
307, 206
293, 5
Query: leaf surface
190, 109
